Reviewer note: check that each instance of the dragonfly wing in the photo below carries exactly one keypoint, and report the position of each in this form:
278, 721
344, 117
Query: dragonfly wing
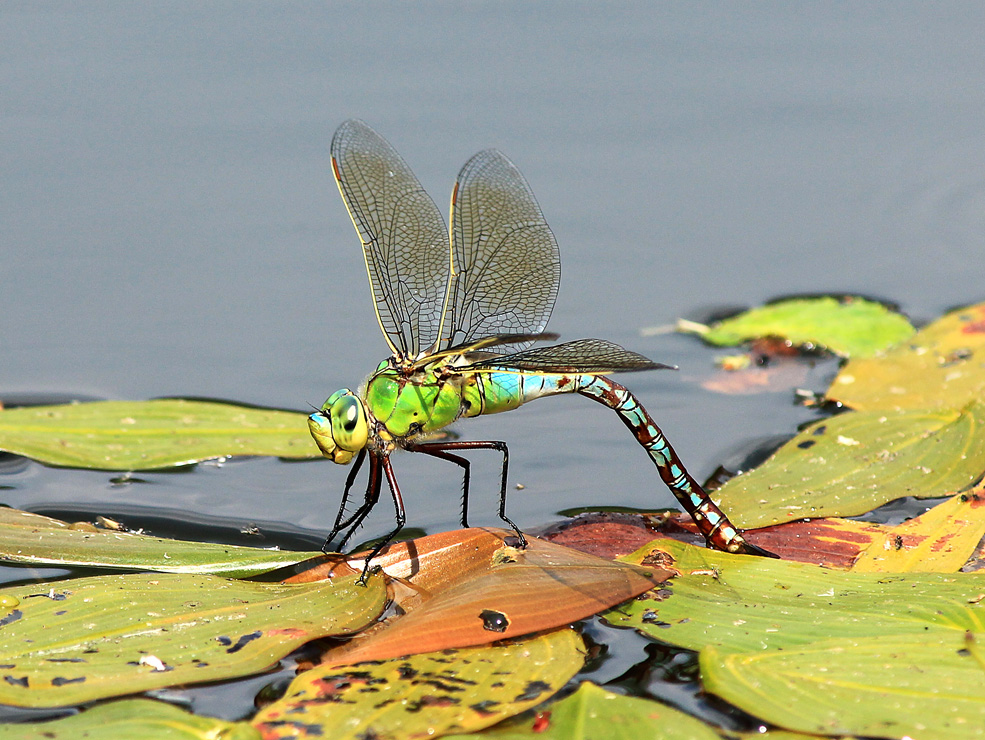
579, 356
403, 235
505, 263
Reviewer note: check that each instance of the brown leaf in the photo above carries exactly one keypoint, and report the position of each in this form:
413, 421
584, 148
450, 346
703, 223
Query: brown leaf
466, 588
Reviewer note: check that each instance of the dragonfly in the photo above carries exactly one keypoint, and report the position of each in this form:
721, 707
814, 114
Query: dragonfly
460, 308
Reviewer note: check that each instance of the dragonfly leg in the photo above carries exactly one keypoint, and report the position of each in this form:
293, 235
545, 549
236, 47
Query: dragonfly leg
719, 532
398, 508
372, 496
350, 479
440, 449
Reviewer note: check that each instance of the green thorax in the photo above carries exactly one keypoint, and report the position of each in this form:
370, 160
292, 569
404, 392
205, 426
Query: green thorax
434, 396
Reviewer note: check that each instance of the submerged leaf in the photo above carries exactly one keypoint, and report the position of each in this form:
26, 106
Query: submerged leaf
943, 365
849, 327
38, 540
131, 719
77, 640
851, 463
425, 695
143, 435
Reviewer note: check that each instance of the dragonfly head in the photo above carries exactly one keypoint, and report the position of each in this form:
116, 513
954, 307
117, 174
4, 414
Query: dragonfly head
340, 429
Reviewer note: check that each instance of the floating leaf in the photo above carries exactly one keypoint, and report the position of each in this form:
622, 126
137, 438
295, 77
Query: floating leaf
942, 366
851, 463
592, 713
738, 603
940, 540
39, 540
77, 640
849, 327
891, 685
143, 435
468, 588
425, 695
131, 719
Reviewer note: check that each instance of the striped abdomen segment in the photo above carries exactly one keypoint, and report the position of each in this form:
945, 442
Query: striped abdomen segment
711, 521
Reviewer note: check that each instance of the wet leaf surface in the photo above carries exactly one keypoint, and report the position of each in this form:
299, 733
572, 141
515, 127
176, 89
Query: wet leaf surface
144, 435
849, 327
851, 463
39, 540
465, 588
131, 719
427, 695
740, 603
889, 685
72, 641
942, 366
940, 540
592, 713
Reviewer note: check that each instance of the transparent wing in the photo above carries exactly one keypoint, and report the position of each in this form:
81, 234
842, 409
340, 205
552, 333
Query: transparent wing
403, 235
579, 356
505, 263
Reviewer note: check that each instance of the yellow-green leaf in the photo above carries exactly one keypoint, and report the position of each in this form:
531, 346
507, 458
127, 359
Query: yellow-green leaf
592, 713
940, 540
38, 540
426, 695
143, 435
743, 604
853, 462
849, 327
889, 686
72, 641
943, 365
131, 719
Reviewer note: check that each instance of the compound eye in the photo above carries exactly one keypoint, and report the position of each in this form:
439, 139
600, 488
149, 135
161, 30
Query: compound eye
349, 425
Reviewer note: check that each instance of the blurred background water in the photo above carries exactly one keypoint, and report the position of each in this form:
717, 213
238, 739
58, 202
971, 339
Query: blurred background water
169, 224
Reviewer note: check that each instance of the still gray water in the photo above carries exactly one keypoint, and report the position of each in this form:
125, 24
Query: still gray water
169, 224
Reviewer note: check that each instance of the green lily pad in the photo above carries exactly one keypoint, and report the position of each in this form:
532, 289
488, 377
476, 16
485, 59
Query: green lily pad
131, 719
38, 540
596, 714
888, 686
425, 695
144, 435
738, 603
814, 650
853, 462
852, 327
72, 641
943, 365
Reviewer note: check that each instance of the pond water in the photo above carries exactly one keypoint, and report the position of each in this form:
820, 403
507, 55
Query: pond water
170, 225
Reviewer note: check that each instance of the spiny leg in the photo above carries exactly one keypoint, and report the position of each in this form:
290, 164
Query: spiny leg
720, 533
350, 479
372, 497
398, 508
437, 448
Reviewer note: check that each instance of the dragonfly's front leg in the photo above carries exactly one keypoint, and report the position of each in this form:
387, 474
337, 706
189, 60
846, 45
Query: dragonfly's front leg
439, 449
398, 508
373, 486
350, 479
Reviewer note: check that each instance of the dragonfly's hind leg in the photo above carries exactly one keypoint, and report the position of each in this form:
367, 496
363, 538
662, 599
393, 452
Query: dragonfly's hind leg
437, 449
440, 449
